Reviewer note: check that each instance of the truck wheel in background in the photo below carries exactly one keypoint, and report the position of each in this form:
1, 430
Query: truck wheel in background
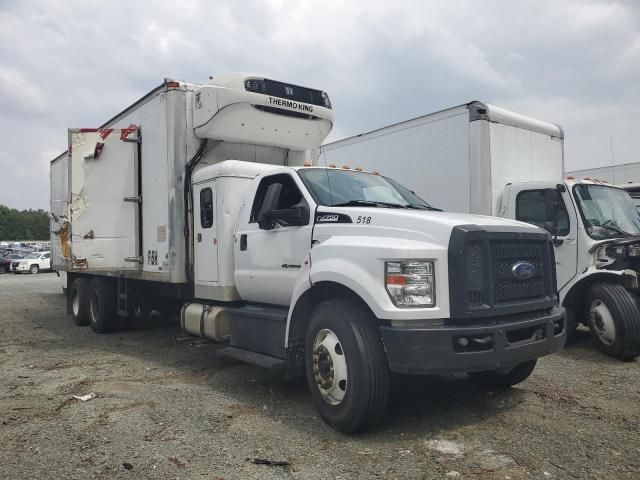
34, 269
79, 298
3, 269
103, 316
346, 366
614, 320
504, 380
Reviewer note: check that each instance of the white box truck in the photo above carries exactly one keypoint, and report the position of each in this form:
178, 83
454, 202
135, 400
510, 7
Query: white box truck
478, 158
196, 199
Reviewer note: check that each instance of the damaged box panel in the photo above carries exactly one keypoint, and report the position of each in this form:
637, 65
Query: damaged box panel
103, 176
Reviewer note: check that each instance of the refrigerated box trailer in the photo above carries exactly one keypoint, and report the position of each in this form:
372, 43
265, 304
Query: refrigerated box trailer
198, 199
479, 158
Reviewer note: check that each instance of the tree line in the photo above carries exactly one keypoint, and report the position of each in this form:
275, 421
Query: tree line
23, 224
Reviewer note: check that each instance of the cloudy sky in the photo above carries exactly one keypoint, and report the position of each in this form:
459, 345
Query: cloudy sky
76, 63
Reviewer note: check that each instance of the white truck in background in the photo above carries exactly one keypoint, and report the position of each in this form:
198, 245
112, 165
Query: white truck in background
482, 159
196, 199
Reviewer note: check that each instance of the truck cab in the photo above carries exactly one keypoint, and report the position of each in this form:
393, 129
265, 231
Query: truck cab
596, 234
345, 276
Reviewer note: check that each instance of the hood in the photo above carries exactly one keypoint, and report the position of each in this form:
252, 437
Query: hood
419, 225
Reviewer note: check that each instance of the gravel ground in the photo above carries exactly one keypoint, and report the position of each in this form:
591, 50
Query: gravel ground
167, 409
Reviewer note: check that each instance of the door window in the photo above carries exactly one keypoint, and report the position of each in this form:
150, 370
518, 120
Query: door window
206, 208
46, 255
530, 208
288, 195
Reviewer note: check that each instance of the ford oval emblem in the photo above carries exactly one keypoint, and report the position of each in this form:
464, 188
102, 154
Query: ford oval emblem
523, 270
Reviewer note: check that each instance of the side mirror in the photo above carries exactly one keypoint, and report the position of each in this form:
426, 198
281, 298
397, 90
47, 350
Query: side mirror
552, 199
287, 217
551, 228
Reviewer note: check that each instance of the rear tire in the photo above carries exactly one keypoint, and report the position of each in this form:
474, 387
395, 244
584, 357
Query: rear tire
3, 269
103, 316
505, 380
614, 320
346, 367
79, 301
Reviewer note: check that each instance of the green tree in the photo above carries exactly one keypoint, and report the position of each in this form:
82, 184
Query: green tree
23, 224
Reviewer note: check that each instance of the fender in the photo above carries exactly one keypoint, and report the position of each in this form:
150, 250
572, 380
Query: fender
357, 263
579, 283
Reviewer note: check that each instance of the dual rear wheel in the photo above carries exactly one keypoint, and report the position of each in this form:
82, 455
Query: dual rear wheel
93, 302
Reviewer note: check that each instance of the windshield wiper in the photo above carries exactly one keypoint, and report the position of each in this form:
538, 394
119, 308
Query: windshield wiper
417, 206
368, 203
613, 229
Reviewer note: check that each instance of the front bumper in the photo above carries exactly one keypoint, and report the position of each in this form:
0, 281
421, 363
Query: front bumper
491, 344
21, 268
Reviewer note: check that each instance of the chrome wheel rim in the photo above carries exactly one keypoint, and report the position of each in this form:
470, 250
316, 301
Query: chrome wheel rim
602, 322
330, 367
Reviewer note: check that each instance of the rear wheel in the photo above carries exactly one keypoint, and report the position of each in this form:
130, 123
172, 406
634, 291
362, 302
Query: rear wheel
3, 269
518, 374
34, 269
103, 316
79, 299
346, 366
614, 320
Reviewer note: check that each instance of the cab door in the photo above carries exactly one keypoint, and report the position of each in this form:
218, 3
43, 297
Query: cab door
206, 233
527, 204
270, 260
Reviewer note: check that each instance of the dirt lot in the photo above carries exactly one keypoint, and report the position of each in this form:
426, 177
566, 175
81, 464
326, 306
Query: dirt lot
167, 409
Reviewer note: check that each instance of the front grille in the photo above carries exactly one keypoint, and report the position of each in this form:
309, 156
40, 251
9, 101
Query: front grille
481, 267
504, 255
288, 91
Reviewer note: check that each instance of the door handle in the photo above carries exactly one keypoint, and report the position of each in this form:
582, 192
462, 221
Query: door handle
199, 237
243, 242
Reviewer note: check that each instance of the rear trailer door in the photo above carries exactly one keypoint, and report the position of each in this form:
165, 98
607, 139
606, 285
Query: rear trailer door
104, 199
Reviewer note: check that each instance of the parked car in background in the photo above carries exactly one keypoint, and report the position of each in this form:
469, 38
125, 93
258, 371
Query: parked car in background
5, 262
32, 263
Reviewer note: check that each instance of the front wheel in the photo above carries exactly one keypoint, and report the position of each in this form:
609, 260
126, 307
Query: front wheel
518, 374
346, 366
34, 269
614, 320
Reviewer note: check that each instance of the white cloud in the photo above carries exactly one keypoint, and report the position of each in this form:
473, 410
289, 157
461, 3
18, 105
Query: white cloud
76, 63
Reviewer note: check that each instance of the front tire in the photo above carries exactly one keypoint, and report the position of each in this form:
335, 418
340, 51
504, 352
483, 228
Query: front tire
34, 269
102, 306
79, 301
518, 374
614, 320
346, 366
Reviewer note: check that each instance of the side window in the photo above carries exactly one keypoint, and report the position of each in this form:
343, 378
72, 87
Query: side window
206, 208
530, 208
287, 195
46, 255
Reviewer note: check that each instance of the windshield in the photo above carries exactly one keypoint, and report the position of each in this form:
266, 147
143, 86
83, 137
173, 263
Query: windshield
332, 187
32, 256
608, 212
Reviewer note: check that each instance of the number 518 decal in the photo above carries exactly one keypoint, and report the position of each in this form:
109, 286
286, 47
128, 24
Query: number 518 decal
364, 219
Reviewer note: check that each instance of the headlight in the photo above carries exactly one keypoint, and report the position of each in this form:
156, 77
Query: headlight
411, 284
